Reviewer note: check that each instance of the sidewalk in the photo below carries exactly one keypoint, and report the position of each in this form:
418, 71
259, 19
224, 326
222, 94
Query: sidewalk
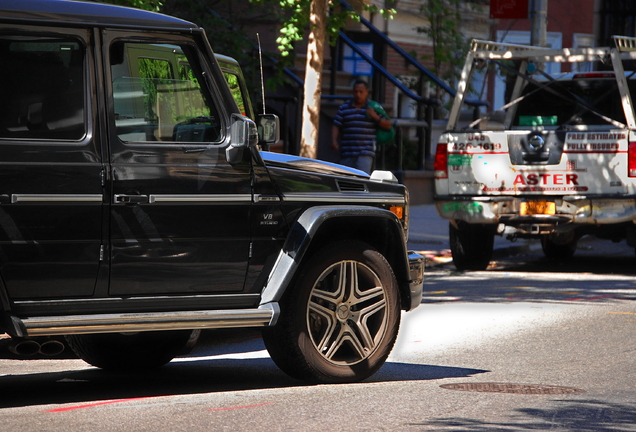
428, 235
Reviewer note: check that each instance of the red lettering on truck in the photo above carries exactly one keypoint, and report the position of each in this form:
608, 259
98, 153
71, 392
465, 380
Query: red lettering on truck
546, 179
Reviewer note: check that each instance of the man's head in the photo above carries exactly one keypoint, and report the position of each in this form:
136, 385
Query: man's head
360, 92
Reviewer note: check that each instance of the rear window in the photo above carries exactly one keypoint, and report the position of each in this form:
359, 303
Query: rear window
587, 101
42, 88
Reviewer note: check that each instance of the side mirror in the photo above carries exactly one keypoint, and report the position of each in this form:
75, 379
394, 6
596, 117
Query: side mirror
268, 129
243, 134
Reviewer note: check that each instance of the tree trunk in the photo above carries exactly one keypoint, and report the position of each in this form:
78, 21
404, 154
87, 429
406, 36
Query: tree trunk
313, 78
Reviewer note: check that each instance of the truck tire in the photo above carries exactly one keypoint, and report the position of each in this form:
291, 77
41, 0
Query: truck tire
339, 319
119, 351
559, 250
471, 245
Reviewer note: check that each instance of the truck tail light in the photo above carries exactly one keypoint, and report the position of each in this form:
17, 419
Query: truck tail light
441, 161
631, 160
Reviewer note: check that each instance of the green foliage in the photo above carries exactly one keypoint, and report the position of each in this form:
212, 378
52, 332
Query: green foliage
296, 21
449, 44
231, 32
293, 29
150, 5
181, 95
153, 72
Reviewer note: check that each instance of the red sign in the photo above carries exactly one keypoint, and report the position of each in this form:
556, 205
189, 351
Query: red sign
509, 9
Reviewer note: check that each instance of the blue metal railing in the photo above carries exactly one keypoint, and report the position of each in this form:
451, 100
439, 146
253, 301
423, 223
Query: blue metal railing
413, 62
388, 75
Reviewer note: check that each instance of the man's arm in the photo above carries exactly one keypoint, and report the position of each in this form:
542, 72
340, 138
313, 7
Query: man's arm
335, 131
383, 123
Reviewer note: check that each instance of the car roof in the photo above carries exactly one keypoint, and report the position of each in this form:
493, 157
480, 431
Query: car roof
76, 13
226, 60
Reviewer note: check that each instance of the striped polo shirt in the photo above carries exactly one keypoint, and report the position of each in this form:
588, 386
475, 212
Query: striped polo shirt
357, 129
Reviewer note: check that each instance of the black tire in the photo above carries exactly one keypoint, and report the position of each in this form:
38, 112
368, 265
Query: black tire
471, 245
119, 351
560, 250
334, 328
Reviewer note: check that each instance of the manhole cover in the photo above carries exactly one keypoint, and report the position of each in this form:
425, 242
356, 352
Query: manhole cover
534, 389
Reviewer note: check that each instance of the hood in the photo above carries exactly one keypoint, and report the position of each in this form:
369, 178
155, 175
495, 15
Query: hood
312, 165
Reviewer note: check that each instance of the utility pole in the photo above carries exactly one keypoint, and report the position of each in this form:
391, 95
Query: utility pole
539, 16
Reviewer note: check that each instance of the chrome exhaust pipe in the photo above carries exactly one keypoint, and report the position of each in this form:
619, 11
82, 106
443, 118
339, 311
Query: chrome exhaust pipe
51, 348
24, 347
31, 347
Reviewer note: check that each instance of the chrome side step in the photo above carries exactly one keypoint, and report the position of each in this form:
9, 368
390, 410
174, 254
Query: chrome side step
137, 322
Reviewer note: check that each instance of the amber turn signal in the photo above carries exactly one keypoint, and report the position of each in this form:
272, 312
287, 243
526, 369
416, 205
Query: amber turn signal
398, 211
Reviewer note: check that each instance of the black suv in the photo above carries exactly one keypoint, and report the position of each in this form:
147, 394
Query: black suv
136, 207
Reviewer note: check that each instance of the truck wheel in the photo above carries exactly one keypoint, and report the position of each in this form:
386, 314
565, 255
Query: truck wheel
471, 245
559, 249
340, 317
118, 351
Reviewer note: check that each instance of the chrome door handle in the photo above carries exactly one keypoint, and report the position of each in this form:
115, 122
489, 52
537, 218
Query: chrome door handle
132, 199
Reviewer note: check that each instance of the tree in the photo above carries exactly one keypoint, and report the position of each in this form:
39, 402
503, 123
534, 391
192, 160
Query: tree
449, 44
313, 78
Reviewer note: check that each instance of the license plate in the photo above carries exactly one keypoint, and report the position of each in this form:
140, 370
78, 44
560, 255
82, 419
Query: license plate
537, 208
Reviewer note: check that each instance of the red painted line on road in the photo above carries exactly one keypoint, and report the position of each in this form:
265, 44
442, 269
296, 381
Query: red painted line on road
240, 407
99, 403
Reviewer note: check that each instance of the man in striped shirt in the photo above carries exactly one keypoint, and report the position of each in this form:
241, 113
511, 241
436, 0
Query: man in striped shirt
359, 120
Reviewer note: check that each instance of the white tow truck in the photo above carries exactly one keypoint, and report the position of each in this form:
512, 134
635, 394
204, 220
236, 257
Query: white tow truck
556, 160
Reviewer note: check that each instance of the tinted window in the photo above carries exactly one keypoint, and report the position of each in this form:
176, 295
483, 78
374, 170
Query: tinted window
579, 101
158, 95
41, 88
235, 87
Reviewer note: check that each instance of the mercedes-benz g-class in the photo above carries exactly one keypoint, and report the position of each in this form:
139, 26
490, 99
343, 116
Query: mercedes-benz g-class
136, 207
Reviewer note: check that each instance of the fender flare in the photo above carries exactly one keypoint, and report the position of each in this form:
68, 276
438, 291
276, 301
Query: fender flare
300, 237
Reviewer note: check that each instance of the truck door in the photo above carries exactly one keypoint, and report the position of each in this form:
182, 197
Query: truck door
179, 210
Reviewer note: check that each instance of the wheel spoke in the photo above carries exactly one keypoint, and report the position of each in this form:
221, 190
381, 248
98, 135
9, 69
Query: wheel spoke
328, 325
361, 319
346, 336
332, 292
362, 297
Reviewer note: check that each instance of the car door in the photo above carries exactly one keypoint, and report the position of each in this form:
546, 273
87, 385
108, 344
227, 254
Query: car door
179, 210
51, 172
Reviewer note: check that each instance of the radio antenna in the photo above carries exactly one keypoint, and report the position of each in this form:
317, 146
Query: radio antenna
260, 59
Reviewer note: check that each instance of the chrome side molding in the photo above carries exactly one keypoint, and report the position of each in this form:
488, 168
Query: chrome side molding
152, 321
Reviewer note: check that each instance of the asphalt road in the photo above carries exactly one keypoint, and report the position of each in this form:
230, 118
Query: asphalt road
526, 345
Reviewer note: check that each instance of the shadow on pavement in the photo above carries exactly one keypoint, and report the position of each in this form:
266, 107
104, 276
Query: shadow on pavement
563, 415
599, 273
193, 377
222, 361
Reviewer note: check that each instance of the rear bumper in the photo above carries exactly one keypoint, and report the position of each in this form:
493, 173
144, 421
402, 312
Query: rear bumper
569, 210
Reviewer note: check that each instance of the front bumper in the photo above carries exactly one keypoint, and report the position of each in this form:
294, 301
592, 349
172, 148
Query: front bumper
416, 284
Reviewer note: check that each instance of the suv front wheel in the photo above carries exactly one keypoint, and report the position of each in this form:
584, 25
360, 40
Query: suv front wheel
340, 320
